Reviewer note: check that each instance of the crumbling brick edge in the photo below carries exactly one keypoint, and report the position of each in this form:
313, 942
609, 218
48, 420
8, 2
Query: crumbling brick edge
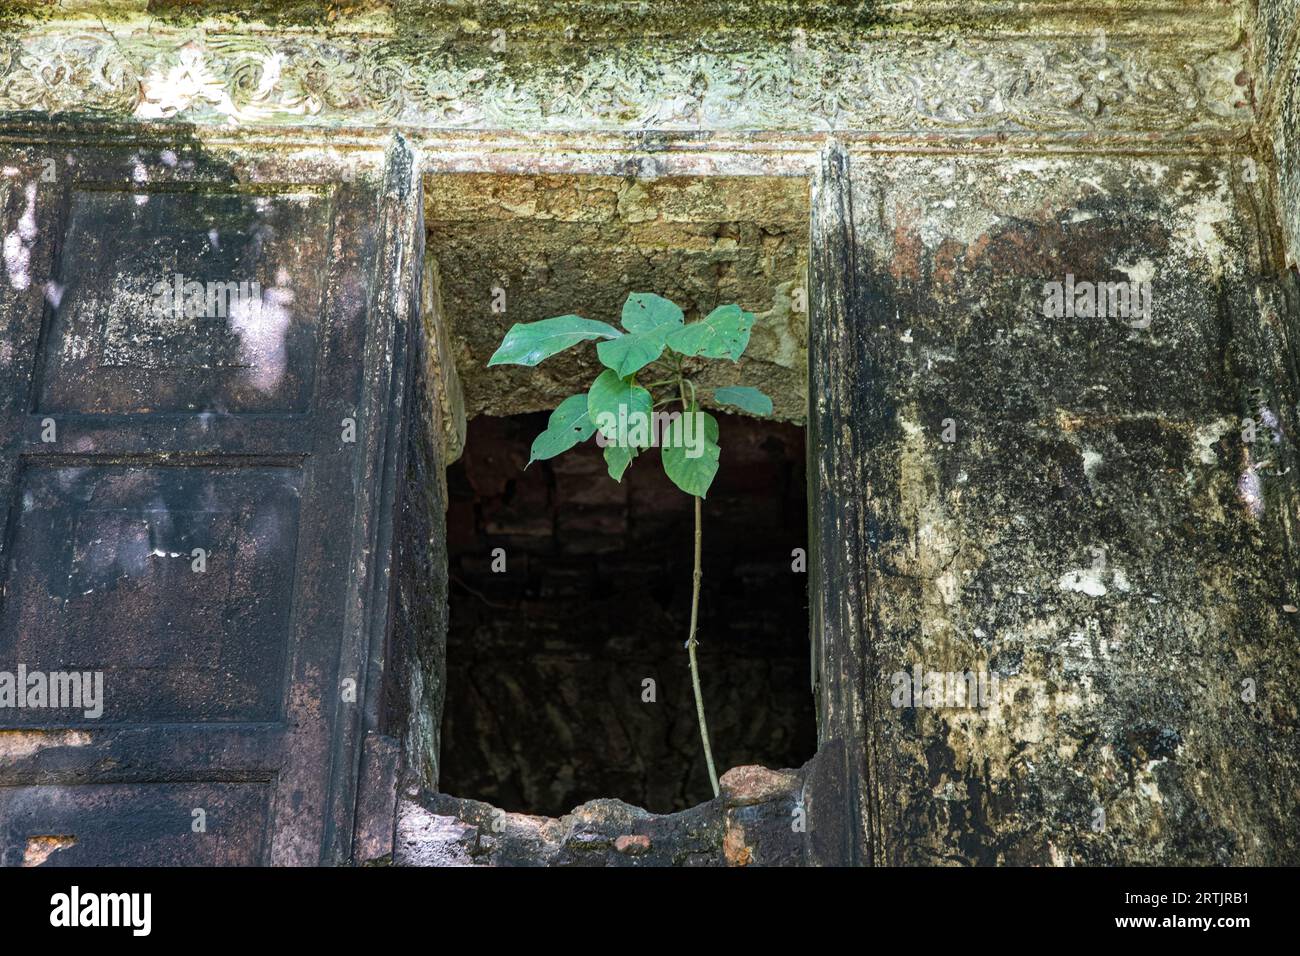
762, 818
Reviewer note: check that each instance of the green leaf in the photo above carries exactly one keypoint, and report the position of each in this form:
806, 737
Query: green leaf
568, 425
645, 313
617, 458
723, 333
614, 405
750, 399
531, 342
695, 474
648, 318
628, 354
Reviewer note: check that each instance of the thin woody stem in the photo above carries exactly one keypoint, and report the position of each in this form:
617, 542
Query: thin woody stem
690, 648
695, 610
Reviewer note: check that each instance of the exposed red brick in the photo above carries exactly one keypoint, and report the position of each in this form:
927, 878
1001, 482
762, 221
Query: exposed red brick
632, 843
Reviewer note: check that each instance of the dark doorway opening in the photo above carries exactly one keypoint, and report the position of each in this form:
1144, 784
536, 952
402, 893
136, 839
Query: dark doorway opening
547, 660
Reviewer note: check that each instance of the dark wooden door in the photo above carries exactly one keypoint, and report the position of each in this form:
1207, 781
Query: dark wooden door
197, 494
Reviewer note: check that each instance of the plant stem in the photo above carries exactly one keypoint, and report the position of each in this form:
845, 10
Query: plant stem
690, 647
697, 577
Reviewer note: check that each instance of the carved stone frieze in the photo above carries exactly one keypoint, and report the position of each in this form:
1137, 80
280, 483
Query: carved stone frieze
893, 83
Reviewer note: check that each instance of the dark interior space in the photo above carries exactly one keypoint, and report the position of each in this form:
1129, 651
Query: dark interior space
546, 661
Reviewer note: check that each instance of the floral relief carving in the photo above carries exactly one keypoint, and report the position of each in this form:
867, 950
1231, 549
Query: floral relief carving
897, 83
944, 87
321, 78
78, 71
385, 84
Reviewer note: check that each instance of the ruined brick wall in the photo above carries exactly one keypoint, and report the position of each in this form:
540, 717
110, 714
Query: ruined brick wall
545, 660
549, 245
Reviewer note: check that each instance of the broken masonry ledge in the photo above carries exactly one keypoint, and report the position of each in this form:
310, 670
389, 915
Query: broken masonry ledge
758, 820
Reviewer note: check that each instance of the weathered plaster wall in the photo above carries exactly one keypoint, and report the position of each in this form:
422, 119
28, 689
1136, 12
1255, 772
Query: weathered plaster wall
1274, 35
415, 684
1098, 535
1280, 35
